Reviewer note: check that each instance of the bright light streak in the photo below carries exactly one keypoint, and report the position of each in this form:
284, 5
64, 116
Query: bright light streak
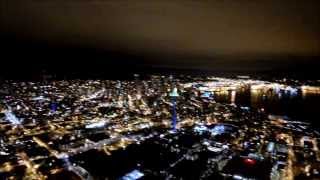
96, 125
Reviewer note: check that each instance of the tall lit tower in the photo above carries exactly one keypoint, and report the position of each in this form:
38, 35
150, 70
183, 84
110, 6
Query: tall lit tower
174, 94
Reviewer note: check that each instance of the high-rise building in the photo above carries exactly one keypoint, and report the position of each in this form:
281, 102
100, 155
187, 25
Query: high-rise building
174, 94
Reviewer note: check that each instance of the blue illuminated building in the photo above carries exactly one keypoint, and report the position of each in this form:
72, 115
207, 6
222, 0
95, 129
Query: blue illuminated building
207, 94
12, 118
174, 94
53, 107
133, 175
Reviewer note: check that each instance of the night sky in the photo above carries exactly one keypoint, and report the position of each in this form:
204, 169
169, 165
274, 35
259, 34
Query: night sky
204, 35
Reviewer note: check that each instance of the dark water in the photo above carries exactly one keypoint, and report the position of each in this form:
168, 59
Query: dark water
300, 106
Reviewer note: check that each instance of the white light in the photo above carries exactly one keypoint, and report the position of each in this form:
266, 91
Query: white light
237, 177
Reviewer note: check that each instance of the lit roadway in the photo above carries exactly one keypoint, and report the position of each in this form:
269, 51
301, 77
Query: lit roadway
94, 145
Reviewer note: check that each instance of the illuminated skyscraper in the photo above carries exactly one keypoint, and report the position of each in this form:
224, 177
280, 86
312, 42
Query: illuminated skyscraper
53, 107
174, 94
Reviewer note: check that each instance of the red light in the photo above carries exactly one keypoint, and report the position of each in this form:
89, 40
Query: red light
249, 161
